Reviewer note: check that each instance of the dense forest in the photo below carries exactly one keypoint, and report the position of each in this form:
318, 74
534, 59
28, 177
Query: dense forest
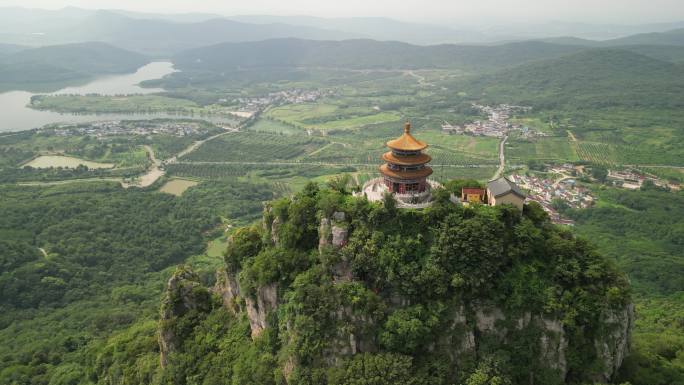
644, 232
81, 261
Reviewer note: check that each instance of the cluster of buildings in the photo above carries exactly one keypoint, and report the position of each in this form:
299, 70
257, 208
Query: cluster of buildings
632, 180
250, 105
497, 124
545, 191
117, 127
629, 179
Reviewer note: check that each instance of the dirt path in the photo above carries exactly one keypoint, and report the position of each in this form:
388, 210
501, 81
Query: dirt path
155, 172
194, 146
421, 79
502, 158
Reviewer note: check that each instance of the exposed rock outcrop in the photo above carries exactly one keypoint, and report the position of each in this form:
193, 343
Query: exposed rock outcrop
614, 345
184, 293
266, 300
258, 309
228, 288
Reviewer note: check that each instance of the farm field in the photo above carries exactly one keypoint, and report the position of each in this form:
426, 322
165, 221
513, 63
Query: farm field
55, 161
330, 117
177, 186
254, 147
547, 149
274, 127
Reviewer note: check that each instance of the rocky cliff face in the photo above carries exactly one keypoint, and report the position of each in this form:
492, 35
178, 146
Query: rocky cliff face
184, 293
257, 309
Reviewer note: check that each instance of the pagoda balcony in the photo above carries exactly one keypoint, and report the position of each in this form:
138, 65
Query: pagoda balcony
420, 158
403, 176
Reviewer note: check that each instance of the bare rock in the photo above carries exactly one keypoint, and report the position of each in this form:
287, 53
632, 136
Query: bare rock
275, 225
340, 236
614, 347
339, 216
228, 288
259, 308
554, 344
324, 234
486, 319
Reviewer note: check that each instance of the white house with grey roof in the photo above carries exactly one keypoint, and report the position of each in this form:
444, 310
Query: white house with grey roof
503, 191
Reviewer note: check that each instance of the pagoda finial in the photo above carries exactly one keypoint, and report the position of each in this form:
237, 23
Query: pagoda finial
407, 127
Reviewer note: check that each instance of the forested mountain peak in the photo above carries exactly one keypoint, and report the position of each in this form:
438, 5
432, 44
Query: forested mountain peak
332, 289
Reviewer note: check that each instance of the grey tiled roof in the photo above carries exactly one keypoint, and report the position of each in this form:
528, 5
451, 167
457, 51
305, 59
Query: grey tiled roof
503, 186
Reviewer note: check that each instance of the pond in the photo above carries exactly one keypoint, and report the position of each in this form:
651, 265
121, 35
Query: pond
15, 115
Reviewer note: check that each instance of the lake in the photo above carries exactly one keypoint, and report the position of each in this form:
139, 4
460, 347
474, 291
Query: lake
16, 116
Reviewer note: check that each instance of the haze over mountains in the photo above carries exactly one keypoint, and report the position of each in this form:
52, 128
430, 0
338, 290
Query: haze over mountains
162, 35
79, 44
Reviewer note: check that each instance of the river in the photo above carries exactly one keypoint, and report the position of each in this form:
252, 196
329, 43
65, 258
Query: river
16, 116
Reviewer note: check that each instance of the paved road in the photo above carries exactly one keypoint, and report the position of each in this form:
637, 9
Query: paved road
502, 158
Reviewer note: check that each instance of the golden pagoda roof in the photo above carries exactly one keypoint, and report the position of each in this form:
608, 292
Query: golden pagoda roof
406, 142
414, 174
406, 160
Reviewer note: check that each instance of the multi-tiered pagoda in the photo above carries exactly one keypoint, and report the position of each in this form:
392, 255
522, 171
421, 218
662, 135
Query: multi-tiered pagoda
406, 170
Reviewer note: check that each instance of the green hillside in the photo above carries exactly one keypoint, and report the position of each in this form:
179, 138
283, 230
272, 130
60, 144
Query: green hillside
32, 68
363, 54
595, 78
674, 37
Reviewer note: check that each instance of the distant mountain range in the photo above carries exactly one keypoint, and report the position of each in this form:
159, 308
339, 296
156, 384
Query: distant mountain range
371, 54
154, 36
363, 54
672, 37
165, 34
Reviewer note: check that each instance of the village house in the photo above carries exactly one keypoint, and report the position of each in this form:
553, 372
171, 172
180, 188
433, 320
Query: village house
472, 195
503, 191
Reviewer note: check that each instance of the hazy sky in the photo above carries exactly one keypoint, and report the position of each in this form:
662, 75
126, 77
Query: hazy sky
475, 11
